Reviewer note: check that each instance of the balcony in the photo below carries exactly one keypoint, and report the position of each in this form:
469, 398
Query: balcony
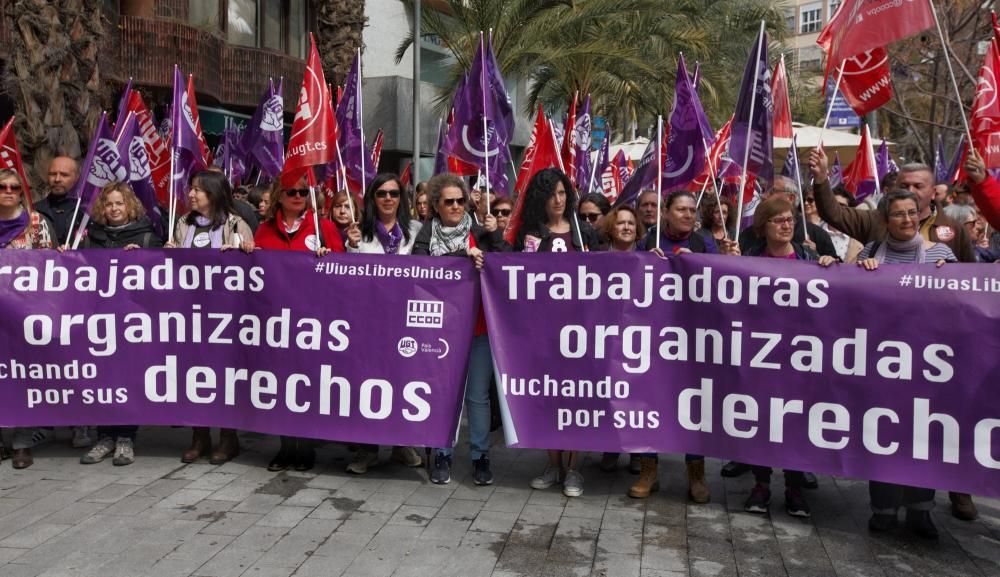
234, 75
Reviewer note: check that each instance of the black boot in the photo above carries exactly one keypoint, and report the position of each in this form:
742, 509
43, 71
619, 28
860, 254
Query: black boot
921, 524
285, 455
305, 454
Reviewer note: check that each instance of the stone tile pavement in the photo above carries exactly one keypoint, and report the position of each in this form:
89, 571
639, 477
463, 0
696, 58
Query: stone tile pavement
160, 518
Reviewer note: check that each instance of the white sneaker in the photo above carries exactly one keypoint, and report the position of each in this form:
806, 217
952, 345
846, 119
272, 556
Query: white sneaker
124, 452
99, 452
81, 439
362, 460
551, 476
573, 485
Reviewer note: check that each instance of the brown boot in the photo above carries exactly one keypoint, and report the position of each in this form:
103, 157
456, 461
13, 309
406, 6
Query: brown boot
649, 479
227, 449
201, 444
962, 506
22, 458
697, 489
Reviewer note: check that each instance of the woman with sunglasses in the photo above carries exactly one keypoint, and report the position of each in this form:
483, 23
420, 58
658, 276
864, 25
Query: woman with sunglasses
501, 210
386, 228
291, 225
452, 232
21, 229
593, 208
212, 223
549, 224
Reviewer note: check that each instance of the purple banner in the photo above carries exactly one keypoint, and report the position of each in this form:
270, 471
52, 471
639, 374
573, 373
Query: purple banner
765, 361
349, 348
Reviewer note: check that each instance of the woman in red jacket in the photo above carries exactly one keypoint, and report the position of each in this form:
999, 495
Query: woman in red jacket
289, 225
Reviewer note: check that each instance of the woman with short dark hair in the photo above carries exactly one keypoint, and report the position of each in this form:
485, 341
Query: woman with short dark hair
593, 208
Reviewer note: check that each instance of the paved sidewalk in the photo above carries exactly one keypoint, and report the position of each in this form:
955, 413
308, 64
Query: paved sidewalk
161, 518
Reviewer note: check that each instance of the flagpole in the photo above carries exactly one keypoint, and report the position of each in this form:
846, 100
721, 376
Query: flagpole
593, 170
704, 186
871, 158
951, 71
659, 179
798, 188
486, 134
746, 152
361, 123
829, 108
562, 167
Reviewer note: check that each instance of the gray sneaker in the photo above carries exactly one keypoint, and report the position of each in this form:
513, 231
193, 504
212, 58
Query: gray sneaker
81, 438
551, 476
104, 447
124, 452
573, 484
362, 460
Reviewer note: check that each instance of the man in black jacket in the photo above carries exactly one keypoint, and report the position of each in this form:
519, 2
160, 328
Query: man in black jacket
60, 203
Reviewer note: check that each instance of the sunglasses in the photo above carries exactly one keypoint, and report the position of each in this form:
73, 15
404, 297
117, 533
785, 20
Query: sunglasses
387, 192
11, 187
590, 217
500, 212
810, 200
460, 201
292, 192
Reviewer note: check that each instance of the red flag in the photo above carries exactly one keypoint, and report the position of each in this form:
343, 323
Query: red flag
314, 126
863, 25
540, 154
867, 83
377, 148
862, 168
985, 117
406, 176
206, 154
611, 178
10, 158
782, 105
714, 155
569, 143
157, 149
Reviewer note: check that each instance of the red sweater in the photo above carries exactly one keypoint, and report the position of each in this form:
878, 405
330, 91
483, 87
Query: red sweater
987, 195
271, 235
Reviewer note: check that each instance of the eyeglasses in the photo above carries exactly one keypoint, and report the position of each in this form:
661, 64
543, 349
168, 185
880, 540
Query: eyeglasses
590, 217
291, 192
460, 201
904, 215
782, 220
810, 200
11, 187
387, 192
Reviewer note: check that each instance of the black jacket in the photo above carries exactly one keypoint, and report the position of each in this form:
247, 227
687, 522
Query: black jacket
750, 242
138, 232
485, 241
590, 239
59, 210
803, 253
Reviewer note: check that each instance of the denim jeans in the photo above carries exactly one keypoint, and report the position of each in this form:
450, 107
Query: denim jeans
477, 397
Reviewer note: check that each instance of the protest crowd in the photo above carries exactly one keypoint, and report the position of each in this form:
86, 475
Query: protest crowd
909, 215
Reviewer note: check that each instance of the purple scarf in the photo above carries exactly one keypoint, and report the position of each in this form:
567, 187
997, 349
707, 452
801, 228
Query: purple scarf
11, 229
390, 239
201, 221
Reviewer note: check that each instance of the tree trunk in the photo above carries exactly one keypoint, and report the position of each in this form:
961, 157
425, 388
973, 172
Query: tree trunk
339, 25
54, 78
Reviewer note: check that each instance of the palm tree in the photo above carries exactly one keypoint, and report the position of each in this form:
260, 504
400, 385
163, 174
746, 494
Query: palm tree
339, 25
622, 52
54, 77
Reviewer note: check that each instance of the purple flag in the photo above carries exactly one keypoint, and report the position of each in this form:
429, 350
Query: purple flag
351, 140
123, 106
884, 164
132, 152
791, 167
440, 156
184, 143
941, 175
642, 179
263, 140
836, 171
688, 137
603, 160
102, 166
483, 95
583, 128
754, 132
956, 160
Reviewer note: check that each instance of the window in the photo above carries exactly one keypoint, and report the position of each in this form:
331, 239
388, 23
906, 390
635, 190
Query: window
789, 14
242, 22
834, 4
203, 13
810, 18
298, 39
272, 25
